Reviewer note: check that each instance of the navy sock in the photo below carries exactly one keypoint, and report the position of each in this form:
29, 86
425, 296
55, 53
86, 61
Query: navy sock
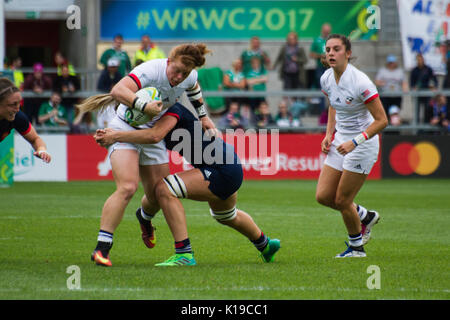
261, 242
183, 246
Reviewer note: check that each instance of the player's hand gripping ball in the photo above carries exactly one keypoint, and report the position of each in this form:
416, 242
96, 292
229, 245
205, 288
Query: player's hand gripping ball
135, 117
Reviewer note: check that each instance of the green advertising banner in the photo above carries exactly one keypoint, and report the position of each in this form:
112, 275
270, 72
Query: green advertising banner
7, 161
235, 20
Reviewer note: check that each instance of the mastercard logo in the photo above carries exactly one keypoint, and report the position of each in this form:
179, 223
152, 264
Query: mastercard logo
422, 158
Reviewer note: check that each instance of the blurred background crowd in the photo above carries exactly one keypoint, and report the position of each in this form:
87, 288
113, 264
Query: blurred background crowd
54, 85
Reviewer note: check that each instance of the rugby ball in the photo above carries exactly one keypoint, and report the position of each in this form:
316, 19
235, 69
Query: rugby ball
135, 117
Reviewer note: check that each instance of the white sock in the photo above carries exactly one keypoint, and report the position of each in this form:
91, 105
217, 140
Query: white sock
146, 216
355, 240
105, 236
362, 212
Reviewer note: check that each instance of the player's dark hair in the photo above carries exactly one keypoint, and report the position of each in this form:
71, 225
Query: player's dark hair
191, 55
7, 88
345, 41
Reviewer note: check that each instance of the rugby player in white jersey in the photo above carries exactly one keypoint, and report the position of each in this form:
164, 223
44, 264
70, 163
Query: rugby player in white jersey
355, 118
148, 162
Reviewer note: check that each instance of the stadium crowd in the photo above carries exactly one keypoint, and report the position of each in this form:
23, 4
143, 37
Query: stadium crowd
248, 72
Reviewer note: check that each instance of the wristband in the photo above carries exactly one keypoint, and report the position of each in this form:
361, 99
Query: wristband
201, 111
360, 138
139, 104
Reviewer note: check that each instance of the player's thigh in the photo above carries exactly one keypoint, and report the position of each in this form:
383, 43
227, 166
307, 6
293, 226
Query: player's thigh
125, 166
198, 188
151, 175
349, 186
196, 185
327, 184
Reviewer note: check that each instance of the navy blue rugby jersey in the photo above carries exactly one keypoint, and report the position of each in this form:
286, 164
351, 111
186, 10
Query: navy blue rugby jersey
189, 139
20, 123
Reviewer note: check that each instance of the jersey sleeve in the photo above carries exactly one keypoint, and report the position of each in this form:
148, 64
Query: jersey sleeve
175, 111
145, 74
323, 85
367, 91
183, 114
21, 123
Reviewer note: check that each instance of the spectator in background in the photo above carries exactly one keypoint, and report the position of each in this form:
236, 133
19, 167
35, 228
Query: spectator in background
394, 120
7, 71
37, 82
256, 79
109, 76
317, 52
391, 78
117, 52
60, 60
233, 119
67, 85
19, 79
422, 78
254, 51
292, 60
247, 115
284, 118
394, 116
234, 80
440, 115
52, 113
263, 117
148, 51
446, 84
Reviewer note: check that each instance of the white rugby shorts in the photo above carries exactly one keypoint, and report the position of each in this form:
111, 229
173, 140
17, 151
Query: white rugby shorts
149, 154
360, 160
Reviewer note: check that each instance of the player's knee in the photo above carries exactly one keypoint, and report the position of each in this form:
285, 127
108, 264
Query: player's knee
128, 189
161, 191
225, 215
325, 200
342, 202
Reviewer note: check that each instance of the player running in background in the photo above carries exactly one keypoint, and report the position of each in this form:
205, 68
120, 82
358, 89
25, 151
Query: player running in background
148, 162
357, 115
216, 177
12, 118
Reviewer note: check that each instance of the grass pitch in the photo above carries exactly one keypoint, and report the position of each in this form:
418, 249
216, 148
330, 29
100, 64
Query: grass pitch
47, 227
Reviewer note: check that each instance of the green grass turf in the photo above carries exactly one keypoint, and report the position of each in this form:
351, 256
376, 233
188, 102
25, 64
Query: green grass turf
47, 227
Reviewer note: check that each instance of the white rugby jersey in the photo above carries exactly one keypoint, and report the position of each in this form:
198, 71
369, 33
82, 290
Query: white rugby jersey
349, 97
152, 73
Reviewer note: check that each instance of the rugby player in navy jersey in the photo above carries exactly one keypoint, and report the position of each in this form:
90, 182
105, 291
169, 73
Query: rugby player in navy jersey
12, 118
215, 178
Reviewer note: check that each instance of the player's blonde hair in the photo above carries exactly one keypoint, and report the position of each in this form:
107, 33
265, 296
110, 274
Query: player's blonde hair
191, 55
97, 102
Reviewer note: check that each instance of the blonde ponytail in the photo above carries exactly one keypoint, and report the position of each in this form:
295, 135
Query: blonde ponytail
97, 102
